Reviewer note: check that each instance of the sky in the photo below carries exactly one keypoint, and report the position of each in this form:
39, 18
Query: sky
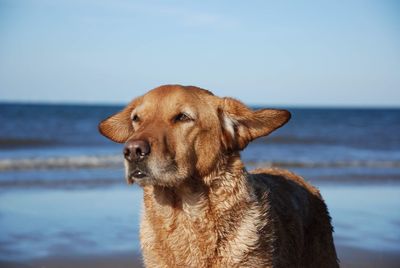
296, 53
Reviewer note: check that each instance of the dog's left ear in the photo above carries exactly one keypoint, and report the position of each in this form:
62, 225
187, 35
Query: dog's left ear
241, 125
118, 127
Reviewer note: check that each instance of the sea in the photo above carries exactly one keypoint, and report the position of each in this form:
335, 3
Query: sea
62, 188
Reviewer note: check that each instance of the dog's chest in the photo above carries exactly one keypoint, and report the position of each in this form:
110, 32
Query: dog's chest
193, 236
178, 238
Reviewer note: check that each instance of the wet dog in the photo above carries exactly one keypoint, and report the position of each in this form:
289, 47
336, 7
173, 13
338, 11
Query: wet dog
202, 208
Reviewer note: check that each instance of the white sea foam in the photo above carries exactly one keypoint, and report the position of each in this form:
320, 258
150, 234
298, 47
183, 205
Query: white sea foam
116, 161
73, 162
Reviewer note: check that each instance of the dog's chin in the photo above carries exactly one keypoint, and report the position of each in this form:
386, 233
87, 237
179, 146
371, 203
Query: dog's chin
155, 172
155, 178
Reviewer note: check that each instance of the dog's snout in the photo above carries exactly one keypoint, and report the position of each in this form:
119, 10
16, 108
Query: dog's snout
136, 150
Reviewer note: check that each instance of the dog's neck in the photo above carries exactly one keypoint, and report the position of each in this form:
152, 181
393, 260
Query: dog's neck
227, 183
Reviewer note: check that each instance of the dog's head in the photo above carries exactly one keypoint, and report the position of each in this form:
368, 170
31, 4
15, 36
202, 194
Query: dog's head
176, 132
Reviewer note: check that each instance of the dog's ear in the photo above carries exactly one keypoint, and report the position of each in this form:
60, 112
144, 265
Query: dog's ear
118, 127
241, 125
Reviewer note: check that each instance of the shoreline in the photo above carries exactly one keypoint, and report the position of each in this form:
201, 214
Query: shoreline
344, 179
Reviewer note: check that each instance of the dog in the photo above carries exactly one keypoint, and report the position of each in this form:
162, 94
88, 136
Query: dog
201, 206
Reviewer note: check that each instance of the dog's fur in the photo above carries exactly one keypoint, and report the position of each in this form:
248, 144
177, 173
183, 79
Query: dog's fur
201, 207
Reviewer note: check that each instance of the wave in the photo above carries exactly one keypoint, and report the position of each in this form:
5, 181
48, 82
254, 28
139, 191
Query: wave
60, 183
116, 161
332, 164
72, 162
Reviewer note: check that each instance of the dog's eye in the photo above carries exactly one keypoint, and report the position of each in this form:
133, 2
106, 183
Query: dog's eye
181, 118
135, 118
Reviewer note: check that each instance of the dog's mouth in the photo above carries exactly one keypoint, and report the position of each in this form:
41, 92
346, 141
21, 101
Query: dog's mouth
136, 175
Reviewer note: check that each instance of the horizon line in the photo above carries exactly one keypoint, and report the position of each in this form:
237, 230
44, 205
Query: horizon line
294, 106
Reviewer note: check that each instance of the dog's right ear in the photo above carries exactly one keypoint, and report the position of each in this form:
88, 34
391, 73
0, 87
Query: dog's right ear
118, 127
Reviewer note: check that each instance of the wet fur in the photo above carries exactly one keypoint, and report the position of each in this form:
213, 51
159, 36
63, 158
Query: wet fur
208, 211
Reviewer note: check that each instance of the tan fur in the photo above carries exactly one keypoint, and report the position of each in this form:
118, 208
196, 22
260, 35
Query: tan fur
201, 207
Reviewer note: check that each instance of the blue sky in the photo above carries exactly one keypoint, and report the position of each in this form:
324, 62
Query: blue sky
318, 53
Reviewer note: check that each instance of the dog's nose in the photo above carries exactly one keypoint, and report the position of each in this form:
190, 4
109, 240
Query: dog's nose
136, 150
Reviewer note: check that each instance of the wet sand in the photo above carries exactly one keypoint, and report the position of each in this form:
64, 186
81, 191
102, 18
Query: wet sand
353, 257
98, 261
349, 257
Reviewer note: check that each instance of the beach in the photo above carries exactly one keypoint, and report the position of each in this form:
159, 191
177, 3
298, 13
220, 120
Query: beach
64, 201
349, 257
53, 232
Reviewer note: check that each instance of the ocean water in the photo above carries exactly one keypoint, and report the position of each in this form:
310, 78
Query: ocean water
65, 136
62, 189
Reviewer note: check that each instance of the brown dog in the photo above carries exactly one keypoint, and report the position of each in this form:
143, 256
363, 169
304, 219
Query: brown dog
202, 208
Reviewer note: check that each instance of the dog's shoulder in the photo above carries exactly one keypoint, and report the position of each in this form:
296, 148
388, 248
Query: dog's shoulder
289, 196
281, 179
